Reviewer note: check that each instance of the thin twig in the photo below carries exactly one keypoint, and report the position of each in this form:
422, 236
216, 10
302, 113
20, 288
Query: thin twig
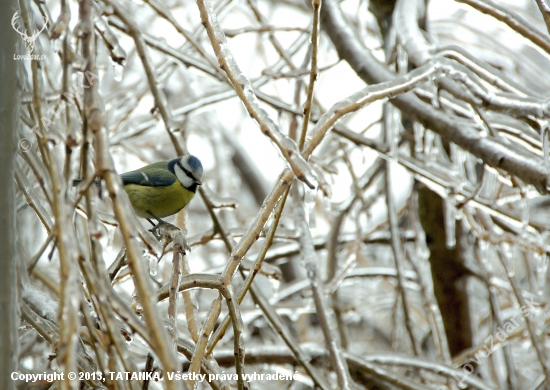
515, 22
243, 87
339, 365
398, 255
313, 74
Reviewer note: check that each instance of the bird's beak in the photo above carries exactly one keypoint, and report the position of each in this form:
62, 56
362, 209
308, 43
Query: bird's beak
198, 182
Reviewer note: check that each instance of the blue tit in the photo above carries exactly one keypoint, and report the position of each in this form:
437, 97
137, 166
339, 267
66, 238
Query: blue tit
163, 188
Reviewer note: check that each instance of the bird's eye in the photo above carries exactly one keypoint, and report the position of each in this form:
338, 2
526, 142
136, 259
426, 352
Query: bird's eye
189, 174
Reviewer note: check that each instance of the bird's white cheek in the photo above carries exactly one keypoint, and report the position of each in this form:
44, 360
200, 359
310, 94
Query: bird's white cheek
182, 177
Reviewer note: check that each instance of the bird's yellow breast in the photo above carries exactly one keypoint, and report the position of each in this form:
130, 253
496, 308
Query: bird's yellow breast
160, 201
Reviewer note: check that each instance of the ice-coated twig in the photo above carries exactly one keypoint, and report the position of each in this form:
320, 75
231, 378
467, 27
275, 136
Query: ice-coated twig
264, 304
91, 325
32, 198
491, 150
118, 54
313, 74
39, 253
191, 305
274, 41
443, 181
281, 355
467, 354
538, 344
252, 273
420, 51
309, 262
208, 365
325, 123
491, 75
173, 298
515, 22
294, 73
545, 11
260, 29
370, 94
423, 271
508, 358
101, 292
266, 307
243, 87
166, 14
164, 48
284, 332
63, 230
161, 102
398, 254
105, 168
50, 332
97, 281
62, 22
225, 288
206, 330
32, 160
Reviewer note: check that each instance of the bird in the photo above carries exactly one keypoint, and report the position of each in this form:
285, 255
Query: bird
163, 188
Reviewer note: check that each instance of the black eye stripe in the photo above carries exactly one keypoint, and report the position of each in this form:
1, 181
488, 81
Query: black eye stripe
189, 174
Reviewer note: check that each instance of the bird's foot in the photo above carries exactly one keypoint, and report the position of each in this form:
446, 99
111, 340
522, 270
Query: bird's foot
160, 224
166, 233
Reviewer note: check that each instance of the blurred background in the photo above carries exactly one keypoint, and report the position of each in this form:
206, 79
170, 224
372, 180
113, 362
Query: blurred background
417, 261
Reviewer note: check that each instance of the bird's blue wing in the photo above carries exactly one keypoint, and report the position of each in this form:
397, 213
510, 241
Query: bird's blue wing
153, 178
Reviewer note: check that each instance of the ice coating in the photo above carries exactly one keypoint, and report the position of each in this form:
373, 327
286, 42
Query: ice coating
243, 87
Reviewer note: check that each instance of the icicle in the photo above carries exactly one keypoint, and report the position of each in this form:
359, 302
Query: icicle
435, 96
392, 129
428, 145
118, 71
470, 163
449, 206
490, 184
507, 251
78, 30
431, 147
524, 215
57, 44
541, 267
151, 261
459, 214
545, 151
368, 220
153, 265
435, 149
128, 338
310, 198
455, 163
458, 159
537, 315
327, 204
421, 249
110, 236
418, 138
136, 305
484, 251
275, 285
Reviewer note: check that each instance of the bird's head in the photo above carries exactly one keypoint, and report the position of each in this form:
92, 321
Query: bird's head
188, 170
